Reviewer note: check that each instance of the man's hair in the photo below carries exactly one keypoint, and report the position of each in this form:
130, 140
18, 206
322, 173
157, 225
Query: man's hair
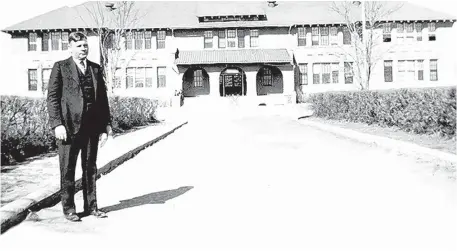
76, 36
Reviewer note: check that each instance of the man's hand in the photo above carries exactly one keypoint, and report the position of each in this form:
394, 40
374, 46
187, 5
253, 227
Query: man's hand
61, 132
104, 136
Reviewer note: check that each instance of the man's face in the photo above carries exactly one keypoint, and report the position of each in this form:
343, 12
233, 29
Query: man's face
79, 49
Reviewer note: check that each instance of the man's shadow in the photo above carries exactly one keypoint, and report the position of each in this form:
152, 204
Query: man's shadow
151, 198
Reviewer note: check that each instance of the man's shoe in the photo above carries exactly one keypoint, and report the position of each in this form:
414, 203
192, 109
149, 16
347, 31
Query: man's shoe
72, 217
98, 214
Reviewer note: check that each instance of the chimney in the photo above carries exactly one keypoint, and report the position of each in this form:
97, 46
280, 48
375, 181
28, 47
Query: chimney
272, 4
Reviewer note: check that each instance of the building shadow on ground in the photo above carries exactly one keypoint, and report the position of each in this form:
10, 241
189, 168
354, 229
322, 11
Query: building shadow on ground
152, 198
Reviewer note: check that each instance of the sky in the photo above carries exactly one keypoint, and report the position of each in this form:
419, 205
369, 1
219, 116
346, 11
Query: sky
15, 11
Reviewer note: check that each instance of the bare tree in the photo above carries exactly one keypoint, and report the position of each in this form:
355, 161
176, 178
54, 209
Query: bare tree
113, 21
366, 39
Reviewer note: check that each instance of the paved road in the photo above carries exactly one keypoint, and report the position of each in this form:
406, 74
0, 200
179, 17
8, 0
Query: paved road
260, 182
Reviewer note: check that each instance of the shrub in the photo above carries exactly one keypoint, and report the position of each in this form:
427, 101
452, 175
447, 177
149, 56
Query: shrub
422, 111
26, 131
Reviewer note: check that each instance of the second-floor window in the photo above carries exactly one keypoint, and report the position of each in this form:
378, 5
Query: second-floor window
142, 40
231, 38
387, 32
315, 35
54, 41
334, 35
431, 31
254, 38
301, 36
33, 41
161, 36
208, 39
241, 38
33, 80
222, 39
346, 35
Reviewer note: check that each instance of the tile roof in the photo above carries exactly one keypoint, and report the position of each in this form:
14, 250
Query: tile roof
233, 56
184, 14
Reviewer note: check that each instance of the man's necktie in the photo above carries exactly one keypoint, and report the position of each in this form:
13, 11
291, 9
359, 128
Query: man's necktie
83, 66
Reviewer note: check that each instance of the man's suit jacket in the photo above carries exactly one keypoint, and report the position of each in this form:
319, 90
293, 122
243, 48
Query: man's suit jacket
65, 97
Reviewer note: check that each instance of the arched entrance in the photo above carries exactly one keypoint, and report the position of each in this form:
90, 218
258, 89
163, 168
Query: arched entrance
269, 81
232, 81
195, 82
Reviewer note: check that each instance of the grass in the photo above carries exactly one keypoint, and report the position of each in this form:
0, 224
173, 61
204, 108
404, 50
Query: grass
430, 141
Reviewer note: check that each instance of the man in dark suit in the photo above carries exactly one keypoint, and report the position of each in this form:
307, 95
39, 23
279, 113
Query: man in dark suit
80, 117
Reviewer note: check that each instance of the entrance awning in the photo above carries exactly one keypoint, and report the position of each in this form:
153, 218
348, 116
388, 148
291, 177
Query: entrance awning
228, 56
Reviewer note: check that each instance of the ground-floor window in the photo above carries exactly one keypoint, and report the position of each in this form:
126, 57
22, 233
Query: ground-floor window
325, 73
45, 75
348, 73
161, 77
266, 76
198, 78
141, 76
303, 74
388, 74
433, 70
33, 80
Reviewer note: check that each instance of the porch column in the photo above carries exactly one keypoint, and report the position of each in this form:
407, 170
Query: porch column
251, 84
214, 84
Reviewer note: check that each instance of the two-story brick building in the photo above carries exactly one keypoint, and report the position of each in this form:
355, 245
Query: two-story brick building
254, 49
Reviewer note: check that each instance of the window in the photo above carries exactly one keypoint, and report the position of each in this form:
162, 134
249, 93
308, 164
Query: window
419, 31
401, 70
410, 70
400, 33
433, 70
161, 77
45, 75
222, 39
254, 38
301, 36
148, 40
266, 77
346, 35
431, 32
316, 73
138, 36
241, 38
420, 69
32, 41
139, 77
55, 41
315, 35
325, 69
117, 78
333, 35
45, 42
387, 32
64, 42
148, 77
231, 38
348, 73
129, 41
198, 78
388, 74
335, 73
208, 39
33, 80
303, 74
324, 36
161, 35
129, 77
409, 32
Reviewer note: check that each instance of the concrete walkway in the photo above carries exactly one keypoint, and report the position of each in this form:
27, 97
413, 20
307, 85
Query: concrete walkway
262, 182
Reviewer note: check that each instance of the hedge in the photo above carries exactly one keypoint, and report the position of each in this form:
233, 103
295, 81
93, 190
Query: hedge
26, 131
422, 111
